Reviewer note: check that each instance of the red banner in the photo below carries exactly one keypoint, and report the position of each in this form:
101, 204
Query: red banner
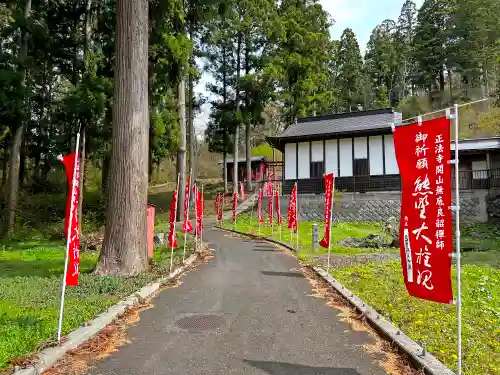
292, 210
72, 209
187, 227
329, 183
221, 207
199, 211
277, 204
235, 203
217, 200
270, 210
242, 186
259, 206
426, 229
172, 239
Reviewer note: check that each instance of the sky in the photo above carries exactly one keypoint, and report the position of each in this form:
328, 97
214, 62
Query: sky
360, 15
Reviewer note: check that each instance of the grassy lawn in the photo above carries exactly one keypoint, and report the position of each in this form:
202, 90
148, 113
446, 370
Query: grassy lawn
30, 280
435, 325
340, 230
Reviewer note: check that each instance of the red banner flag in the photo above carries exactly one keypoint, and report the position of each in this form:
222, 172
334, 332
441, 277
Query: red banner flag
329, 181
426, 231
187, 227
72, 210
217, 200
242, 186
172, 239
261, 171
199, 212
270, 210
259, 206
292, 210
235, 203
277, 204
221, 207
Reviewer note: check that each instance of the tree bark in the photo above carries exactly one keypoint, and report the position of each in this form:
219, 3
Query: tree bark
181, 153
17, 138
248, 149
191, 129
224, 159
83, 135
237, 128
124, 250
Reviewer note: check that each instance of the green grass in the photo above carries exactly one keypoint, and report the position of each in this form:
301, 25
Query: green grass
434, 325
30, 280
340, 230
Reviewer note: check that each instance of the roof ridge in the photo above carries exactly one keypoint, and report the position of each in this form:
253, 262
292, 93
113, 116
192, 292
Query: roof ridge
332, 116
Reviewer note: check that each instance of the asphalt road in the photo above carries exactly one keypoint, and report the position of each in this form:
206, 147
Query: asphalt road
248, 311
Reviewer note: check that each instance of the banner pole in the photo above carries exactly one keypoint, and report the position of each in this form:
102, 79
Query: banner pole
251, 215
202, 205
196, 207
175, 219
272, 211
187, 216
331, 219
68, 237
259, 213
457, 224
297, 213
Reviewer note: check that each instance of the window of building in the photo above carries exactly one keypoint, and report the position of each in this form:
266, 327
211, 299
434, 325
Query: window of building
317, 169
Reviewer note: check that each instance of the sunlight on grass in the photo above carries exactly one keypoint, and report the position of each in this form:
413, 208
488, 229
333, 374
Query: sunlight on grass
30, 281
248, 223
432, 324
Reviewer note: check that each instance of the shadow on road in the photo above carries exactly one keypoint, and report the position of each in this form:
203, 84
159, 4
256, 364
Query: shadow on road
283, 368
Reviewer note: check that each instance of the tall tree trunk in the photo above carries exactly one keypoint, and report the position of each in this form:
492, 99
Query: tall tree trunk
83, 142
224, 99
191, 129
181, 153
237, 128
17, 138
4, 165
83, 131
224, 161
124, 250
248, 125
22, 164
248, 156
441, 86
450, 82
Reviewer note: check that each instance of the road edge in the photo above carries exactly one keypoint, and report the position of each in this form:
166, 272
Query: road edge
420, 357
50, 356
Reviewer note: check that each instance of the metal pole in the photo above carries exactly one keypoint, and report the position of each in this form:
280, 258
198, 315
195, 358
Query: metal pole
251, 215
272, 211
259, 203
68, 237
175, 219
187, 216
202, 206
457, 223
297, 213
331, 219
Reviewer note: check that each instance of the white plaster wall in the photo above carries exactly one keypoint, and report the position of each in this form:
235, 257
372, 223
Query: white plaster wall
345, 146
391, 165
304, 162
290, 161
331, 155
376, 156
317, 151
360, 148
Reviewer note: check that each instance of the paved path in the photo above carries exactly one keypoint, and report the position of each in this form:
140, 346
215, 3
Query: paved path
268, 322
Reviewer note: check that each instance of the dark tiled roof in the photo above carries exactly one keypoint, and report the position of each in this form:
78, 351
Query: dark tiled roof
342, 123
243, 159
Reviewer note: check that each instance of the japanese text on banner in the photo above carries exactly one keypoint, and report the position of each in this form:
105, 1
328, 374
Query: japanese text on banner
422, 153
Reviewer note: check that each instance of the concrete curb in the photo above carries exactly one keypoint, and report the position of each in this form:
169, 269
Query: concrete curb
430, 364
48, 357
